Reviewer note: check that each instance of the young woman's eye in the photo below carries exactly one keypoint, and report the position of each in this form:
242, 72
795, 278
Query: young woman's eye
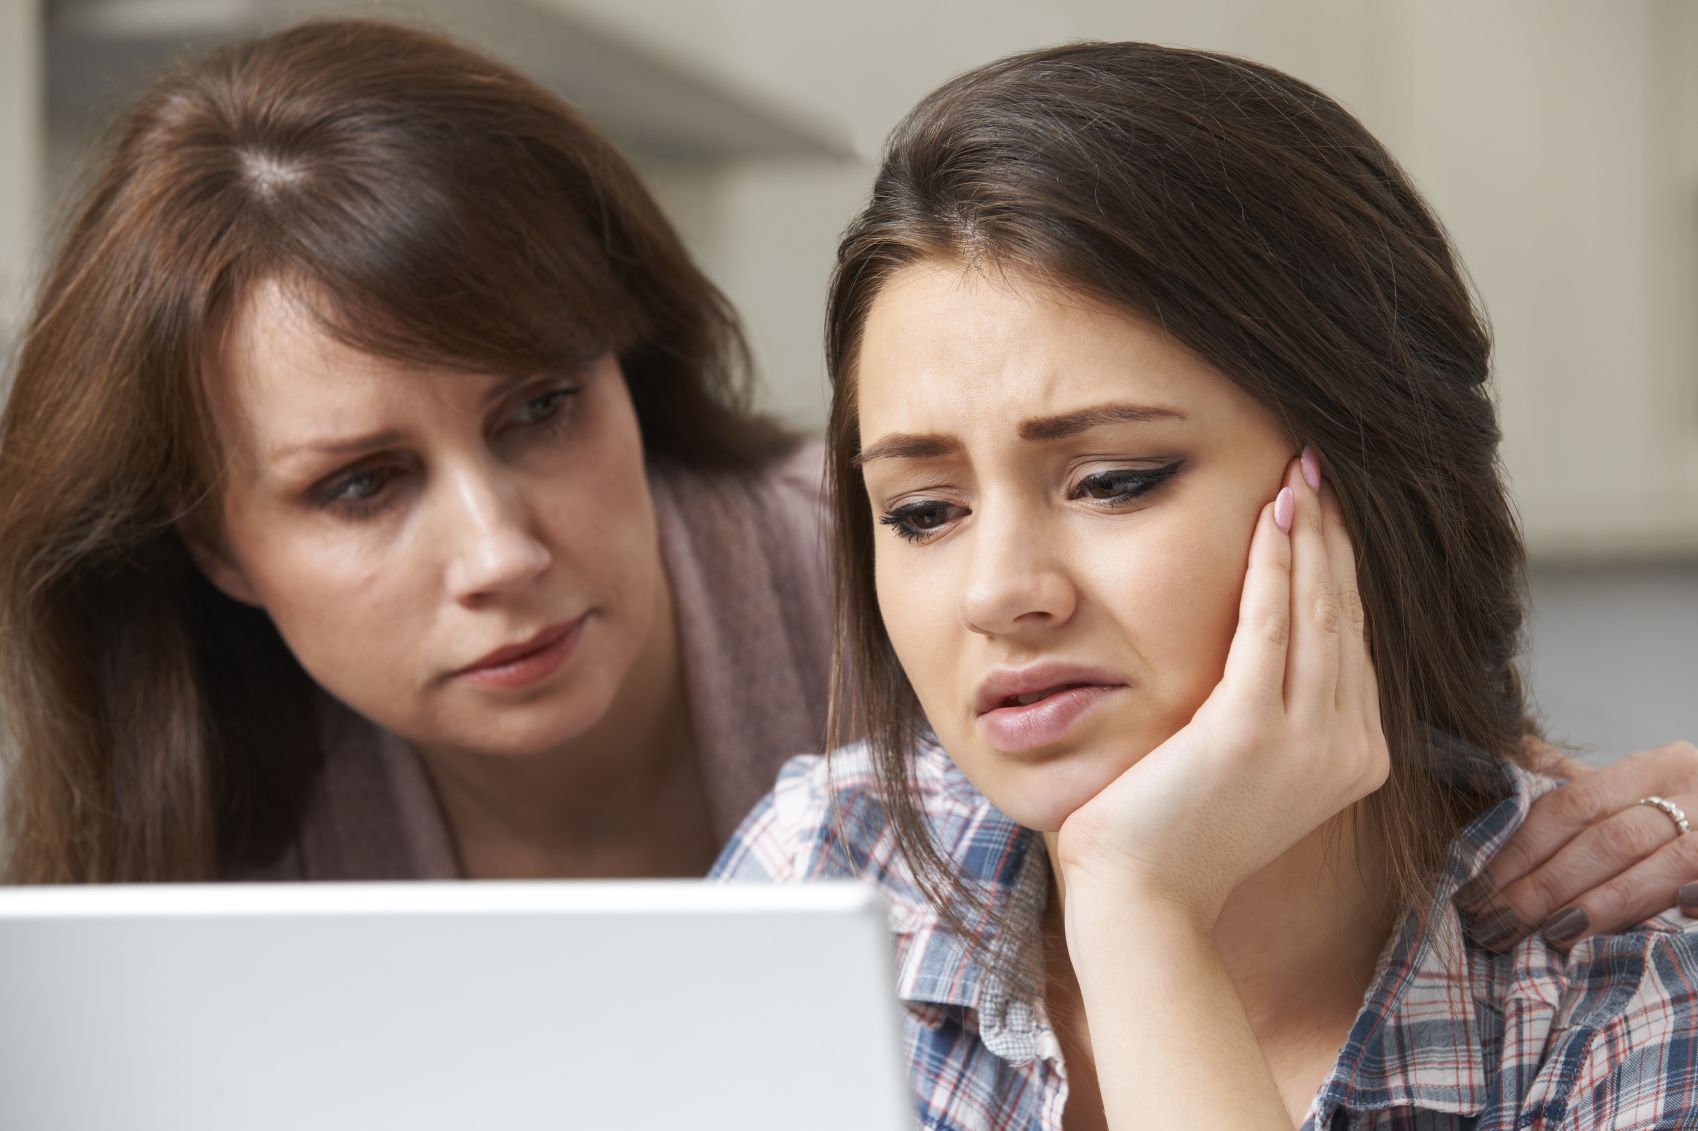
1123, 484
918, 521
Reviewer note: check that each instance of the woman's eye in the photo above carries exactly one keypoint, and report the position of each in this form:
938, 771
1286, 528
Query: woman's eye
920, 520
539, 410
359, 492
1123, 484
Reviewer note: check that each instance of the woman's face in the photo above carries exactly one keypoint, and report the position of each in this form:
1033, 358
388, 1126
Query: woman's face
1065, 497
468, 560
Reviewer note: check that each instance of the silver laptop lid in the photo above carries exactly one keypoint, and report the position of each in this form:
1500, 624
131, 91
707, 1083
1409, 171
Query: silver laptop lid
448, 1007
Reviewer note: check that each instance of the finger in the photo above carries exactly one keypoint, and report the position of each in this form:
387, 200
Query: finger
1353, 661
1648, 888
1601, 854
1255, 661
1311, 682
1560, 815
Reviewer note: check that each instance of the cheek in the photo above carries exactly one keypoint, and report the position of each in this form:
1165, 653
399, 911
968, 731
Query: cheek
917, 602
599, 513
1180, 603
345, 602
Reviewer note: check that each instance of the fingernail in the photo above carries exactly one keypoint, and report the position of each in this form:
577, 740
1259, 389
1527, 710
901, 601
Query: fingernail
1688, 899
1476, 891
1283, 502
1496, 928
1564, 925
1311, 467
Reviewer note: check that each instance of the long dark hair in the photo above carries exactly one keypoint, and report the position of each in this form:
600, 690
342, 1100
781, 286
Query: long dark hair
1258, 223
437, 207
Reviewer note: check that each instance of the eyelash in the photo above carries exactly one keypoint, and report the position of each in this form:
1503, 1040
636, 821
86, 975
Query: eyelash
1144, 481
551, 421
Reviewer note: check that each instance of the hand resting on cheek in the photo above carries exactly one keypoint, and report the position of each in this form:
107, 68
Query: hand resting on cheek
1288, 739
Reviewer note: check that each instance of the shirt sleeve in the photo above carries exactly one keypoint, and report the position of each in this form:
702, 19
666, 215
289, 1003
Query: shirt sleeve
779, 835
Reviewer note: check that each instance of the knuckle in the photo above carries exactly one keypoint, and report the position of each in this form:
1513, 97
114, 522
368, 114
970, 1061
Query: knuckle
1683, 757
1572, 806
1325, 611
1350, 607
1683, 851
1274, 629
1537, 895
1624, 839
1607, 905
1513, 859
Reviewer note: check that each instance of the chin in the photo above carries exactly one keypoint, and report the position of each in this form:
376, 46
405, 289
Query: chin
1042, 795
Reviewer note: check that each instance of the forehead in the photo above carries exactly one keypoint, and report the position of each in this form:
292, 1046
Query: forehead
948, 348
275, 374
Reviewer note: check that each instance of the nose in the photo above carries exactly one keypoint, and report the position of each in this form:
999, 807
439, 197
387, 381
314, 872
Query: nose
493, 544
1017, 579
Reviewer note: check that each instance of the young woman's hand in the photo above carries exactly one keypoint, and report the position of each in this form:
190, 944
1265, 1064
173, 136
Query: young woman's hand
1289, 738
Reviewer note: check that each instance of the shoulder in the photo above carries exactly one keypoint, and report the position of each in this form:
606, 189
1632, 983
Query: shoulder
789, 488
798, 478
821, 820
1625, 1038
825, 819
764, 530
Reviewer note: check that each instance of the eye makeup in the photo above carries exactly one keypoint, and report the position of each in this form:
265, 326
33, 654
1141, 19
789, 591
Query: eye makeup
919, 520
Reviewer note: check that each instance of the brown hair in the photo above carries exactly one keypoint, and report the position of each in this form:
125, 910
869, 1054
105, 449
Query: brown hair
433, 206
1260, 225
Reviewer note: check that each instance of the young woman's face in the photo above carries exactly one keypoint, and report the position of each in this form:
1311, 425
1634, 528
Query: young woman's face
468, 560
1065, 498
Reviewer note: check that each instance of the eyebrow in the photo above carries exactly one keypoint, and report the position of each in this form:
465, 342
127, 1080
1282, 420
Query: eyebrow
1039, 429
389, 437
348, 446
908, 445
1046, 428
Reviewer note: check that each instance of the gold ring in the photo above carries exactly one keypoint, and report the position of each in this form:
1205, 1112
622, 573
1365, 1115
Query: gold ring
1671, 810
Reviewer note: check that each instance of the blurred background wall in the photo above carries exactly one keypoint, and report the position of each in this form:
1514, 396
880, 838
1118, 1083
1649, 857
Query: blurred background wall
1558, 139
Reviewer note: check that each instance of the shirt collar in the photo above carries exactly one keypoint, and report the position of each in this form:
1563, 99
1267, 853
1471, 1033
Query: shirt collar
1007, 866
1415, 1042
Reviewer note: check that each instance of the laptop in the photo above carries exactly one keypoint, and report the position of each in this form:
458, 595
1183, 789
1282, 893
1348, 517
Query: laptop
449, 1007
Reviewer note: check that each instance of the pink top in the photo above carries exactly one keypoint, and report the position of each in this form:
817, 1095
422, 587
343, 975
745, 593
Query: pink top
747, 558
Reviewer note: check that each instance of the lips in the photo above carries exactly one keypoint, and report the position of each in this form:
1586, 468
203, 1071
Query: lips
1020, 709
527, 661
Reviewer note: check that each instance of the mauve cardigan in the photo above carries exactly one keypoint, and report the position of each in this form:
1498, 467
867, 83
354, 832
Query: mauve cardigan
747, 558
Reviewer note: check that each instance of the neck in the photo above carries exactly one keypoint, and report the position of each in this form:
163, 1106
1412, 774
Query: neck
624, 798
1300, 939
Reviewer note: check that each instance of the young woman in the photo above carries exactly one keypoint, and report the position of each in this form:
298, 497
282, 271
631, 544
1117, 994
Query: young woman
1183, 598
378, 499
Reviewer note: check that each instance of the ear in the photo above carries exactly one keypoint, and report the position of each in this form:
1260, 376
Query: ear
215, 562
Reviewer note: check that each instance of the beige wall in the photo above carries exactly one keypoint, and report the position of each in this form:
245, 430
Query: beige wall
1558, 139
21, 128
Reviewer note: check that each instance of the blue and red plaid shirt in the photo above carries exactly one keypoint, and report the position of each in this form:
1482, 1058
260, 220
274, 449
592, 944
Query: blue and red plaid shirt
1450, 1035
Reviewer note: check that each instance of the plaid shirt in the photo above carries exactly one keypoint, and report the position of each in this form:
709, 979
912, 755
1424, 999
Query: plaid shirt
1450, 1035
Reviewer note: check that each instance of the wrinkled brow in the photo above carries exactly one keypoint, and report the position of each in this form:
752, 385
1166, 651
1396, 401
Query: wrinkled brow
1046, 428
1039, 429
908, 445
